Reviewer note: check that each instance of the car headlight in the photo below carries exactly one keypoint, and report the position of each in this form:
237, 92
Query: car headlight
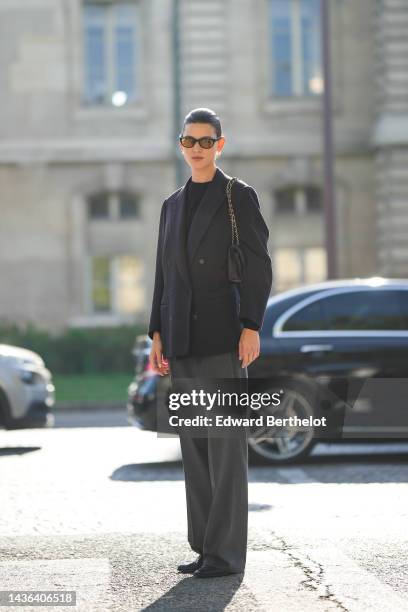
28, 376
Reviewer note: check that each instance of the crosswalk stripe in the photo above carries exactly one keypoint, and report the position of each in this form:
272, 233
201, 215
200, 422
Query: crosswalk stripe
89, 577
319, 579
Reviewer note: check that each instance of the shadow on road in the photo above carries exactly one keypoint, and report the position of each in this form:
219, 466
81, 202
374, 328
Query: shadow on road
167, 470
355, 467
199, 595
18, 450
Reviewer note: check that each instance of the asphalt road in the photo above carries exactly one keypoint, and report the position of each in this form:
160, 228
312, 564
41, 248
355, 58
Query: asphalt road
101, 510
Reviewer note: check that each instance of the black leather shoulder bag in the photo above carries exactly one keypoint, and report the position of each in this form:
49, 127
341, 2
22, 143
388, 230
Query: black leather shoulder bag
236, 257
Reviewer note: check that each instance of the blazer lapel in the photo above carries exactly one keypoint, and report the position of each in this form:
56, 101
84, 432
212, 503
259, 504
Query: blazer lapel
180, 234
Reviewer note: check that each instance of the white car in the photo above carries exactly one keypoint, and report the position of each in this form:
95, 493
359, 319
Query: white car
27, 394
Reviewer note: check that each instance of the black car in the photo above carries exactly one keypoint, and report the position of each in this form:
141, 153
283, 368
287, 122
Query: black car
337, 349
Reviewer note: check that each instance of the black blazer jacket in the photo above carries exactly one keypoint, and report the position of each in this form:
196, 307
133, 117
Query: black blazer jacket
195, 307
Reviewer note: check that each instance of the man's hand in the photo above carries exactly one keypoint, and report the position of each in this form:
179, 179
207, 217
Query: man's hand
249, 346
156, 359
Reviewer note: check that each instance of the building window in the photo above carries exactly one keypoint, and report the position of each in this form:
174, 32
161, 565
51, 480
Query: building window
117, 285
101, 284
113, 205
299, 266
295, 47
298, 200
313, 200
98, 206
110, 36
285, 201
128, 206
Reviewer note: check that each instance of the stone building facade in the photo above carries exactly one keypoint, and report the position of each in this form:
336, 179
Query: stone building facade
92, 94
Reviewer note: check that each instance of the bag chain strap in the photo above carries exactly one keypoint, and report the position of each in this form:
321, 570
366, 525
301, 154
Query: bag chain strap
234, 227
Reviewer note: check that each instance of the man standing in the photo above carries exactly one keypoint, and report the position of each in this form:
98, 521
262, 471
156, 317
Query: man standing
203, 326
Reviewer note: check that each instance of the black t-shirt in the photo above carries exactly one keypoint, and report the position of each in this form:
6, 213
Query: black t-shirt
195, 193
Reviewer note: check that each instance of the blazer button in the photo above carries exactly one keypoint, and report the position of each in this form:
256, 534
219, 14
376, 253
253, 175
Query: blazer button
194, 316
171, 316
201, 260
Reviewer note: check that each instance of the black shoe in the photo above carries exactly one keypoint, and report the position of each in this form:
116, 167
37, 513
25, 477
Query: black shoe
211, 571
190, 568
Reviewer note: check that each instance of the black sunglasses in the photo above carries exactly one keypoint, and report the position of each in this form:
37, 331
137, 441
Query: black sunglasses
205, 142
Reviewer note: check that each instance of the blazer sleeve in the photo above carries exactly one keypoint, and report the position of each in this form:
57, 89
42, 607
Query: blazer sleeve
250, 324
253, 234
155, 319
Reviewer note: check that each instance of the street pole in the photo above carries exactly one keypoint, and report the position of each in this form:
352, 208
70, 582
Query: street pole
176, 93
329, 199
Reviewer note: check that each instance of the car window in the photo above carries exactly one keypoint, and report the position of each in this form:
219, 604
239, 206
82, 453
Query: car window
274, 310
353, 310
403, 300
307, 319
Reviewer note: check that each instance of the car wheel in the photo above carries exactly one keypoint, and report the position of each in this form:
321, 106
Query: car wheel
266, 446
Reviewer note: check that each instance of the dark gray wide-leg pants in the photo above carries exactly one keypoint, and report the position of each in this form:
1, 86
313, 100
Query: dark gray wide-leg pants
216, 474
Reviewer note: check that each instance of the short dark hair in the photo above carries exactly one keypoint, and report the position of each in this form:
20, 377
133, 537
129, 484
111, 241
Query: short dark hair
203, 115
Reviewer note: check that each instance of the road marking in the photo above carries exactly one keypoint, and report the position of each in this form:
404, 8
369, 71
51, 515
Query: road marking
359, 589
314, 578
277, 584
90, 578
321, 579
